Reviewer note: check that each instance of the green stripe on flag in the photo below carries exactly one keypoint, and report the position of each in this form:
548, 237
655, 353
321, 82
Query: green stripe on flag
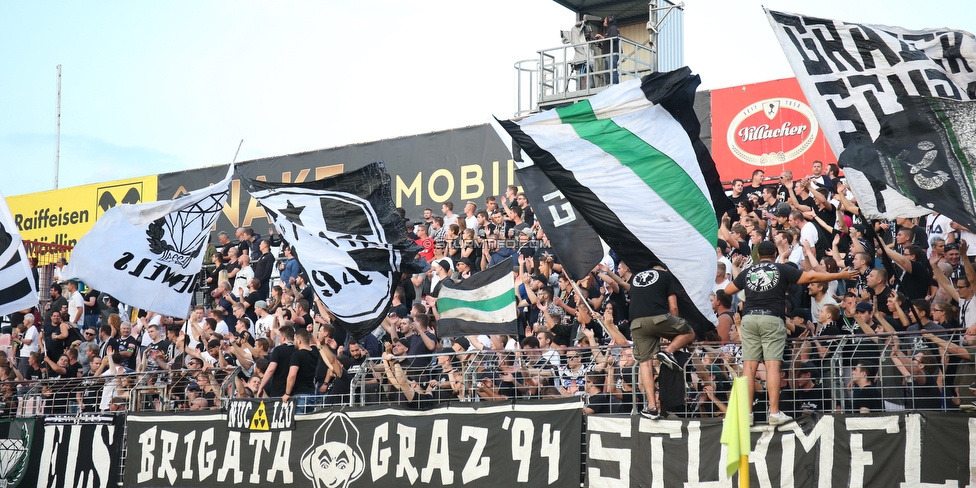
446, 304
657, 170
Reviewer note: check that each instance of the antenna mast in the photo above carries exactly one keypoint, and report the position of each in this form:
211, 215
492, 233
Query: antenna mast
57, 132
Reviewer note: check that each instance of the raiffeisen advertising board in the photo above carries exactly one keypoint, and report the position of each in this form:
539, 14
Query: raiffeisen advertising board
766, 126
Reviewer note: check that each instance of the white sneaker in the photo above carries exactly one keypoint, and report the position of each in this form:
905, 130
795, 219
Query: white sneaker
752, 421
779, 418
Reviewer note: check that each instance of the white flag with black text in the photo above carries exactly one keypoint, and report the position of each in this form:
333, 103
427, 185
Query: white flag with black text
17, 288
150, 255
857, 76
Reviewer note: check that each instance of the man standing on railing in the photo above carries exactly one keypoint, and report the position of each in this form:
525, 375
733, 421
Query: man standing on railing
653, 316
763, 327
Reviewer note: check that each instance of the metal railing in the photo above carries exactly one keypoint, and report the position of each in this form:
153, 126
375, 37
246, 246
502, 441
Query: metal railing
905, 371
555, 77
132, 392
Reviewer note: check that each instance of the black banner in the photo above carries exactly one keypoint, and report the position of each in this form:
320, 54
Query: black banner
574, 241
831, 450
270, 414
457, 165
84, 452
532, 444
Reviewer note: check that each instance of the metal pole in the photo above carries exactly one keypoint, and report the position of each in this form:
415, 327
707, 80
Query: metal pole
57, 131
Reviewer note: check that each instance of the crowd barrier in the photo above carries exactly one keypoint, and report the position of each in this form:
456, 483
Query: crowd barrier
462, 434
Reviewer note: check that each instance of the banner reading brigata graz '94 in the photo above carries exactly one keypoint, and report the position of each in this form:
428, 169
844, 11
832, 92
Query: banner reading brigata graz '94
528, 444
457, 165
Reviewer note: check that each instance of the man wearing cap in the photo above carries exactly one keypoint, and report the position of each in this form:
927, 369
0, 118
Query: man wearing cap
763, 329
466, 268
265, 322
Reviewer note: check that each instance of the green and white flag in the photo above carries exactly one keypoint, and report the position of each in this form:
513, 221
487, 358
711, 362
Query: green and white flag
630, 160
481, 304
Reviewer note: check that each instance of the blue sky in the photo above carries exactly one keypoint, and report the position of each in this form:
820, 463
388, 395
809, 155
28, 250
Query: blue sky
154, 87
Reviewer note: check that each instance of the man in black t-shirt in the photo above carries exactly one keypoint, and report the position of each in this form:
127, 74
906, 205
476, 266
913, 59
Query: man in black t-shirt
128, 347
763, 328
653, 316
300, 382
278, 368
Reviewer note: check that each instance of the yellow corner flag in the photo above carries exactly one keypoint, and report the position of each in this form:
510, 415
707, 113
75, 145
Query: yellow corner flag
735, 431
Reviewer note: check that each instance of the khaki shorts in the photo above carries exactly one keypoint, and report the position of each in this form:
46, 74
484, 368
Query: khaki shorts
647, 333
763, 338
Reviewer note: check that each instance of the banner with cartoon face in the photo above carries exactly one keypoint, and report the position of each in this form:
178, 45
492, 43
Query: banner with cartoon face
529, 444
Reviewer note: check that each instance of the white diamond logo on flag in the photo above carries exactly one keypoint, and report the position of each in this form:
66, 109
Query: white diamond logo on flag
179, 237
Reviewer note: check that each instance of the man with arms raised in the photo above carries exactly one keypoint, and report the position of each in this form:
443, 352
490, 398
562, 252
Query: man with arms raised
763, 328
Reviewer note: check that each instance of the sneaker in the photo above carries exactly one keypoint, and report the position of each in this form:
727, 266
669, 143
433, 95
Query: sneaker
752, 421
973, 386
968, 407
651, 413
668, 360
779, 418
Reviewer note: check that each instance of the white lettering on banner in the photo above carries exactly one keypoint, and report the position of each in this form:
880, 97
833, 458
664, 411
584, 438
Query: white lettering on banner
205, 457
477, 466
438, 459
913, 455
523, 430
61, 470
379, 459
232, 459
550, 449
758, 457
558, 219
596, 427
284, 415
168, 442
694, 460
824, 429
158, 464
859, 457
261, 441
408, 447
239, 415
672, 428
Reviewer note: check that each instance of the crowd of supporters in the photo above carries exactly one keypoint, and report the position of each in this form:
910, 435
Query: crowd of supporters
900, 335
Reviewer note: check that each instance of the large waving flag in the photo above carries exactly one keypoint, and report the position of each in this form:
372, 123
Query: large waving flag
149, 255
631, 163
17, 288
927, 153
481, 304
855, 76
347, 237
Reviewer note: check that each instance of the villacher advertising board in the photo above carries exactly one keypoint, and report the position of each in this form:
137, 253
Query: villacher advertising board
768, 126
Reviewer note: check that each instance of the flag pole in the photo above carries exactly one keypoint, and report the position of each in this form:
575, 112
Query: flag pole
744, 471
579, 293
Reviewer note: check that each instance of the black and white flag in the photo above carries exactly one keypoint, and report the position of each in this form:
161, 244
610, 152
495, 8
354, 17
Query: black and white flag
149, 255
17, 288
857, 75
347, 237
927, 152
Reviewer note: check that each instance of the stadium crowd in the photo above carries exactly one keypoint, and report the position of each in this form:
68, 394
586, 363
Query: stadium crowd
897, 332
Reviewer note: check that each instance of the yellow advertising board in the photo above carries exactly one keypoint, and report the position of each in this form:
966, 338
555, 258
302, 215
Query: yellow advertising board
63, 216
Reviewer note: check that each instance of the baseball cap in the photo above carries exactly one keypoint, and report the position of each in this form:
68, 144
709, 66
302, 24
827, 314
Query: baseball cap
766, 248
463, 342
783, 210
261, 304
800, 312
864, 307
468, 262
